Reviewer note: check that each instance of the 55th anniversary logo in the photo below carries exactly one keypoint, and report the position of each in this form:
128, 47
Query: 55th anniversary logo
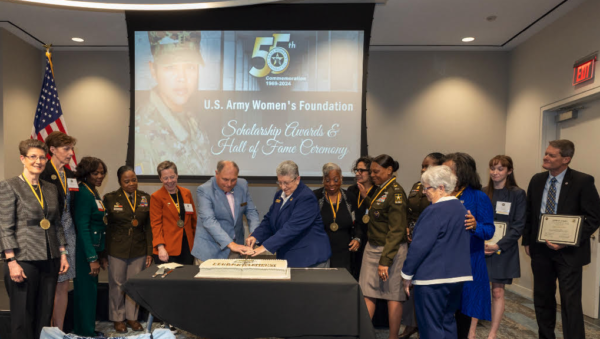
276, 59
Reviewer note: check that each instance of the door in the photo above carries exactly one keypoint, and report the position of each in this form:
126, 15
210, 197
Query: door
584, 131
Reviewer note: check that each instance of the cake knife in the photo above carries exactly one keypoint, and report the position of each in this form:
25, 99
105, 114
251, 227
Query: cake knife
160, 271
167, 273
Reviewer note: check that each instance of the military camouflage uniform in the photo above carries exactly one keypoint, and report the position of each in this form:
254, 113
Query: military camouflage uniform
159, 132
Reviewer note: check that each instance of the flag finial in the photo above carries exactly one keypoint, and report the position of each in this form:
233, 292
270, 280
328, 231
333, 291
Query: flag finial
49, 56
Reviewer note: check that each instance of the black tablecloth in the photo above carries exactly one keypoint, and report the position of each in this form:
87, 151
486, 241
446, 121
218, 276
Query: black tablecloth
314, 303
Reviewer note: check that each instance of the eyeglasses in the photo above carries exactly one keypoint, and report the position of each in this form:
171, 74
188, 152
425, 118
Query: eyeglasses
427, 188
35, 158
285, 183
360, 170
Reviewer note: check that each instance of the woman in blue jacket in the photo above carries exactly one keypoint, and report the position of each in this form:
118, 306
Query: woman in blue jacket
293, 226
438, 260
476, 301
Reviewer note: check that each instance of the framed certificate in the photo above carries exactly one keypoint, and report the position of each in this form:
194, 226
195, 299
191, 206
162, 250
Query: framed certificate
498, 234
560, 229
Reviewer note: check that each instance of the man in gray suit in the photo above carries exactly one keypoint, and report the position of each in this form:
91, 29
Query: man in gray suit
222, 203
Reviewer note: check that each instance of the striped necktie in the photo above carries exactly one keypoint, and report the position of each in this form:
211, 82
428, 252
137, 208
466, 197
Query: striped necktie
551, 202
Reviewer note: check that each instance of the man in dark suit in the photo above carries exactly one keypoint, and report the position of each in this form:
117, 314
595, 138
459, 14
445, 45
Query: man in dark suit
293, 226
560, 190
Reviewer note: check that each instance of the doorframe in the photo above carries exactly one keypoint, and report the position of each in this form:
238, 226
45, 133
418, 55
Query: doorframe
549, 131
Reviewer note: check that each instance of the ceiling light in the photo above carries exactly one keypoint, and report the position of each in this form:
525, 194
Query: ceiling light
468, 39
77, 39
160, 6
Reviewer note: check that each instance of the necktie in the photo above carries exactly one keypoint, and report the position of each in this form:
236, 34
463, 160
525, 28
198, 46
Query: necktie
551, 202
231, 201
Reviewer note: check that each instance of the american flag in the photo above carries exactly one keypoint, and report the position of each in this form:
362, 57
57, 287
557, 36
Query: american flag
48, 115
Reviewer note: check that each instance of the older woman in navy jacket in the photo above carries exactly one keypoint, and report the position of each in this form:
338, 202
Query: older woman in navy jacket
293, 226
438, 260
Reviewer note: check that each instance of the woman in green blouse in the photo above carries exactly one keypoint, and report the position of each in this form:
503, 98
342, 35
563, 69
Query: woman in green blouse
90, 223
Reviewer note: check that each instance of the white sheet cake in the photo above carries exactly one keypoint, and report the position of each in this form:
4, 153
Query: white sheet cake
244, 269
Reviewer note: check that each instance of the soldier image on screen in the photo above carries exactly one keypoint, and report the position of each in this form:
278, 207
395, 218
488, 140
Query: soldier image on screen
164, 126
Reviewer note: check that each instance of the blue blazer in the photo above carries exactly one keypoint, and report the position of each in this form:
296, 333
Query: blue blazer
216, 225
439, 252
295, 232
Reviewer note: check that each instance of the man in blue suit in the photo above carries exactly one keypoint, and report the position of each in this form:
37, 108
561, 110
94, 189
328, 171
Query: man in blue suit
293, 228
222, 202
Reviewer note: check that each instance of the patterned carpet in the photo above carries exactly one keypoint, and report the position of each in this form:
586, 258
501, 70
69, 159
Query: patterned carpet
519, 322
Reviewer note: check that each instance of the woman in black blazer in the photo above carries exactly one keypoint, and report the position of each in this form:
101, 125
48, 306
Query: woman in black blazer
362, 172
61, 147
338, 211
32, 242
502, 257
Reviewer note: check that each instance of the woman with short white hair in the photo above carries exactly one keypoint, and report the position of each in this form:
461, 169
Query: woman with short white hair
438, 260
293, 228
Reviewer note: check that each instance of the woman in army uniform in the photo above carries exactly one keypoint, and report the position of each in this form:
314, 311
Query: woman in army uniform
128, 245
417, 202
90, 223
386, 250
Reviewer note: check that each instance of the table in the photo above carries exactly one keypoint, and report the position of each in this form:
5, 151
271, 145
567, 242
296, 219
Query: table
314, 303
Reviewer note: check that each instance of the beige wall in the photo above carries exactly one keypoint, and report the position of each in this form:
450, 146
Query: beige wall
94, 93
540, 74
22, 72
423, 102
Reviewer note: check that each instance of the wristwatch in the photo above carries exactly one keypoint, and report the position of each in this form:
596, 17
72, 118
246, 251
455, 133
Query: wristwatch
357, 239
10, 259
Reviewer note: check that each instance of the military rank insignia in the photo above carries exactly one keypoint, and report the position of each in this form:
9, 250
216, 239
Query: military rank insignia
396, 187
398, 199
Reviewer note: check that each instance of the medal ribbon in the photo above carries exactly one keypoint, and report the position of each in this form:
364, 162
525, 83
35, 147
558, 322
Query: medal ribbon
381, 190
176, 203
460, 192
337, 207
40, 200
360, 202
63, 184
95, 196
134, 200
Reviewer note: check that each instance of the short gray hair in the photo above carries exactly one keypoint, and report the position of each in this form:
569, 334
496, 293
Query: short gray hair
221, 164
330, 166
287, 168
437, 176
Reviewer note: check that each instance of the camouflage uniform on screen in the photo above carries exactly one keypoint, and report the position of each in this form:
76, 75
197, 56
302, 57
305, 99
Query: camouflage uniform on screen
161, 133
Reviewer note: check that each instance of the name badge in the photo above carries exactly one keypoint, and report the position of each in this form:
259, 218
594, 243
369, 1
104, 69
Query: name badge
72, 185
100, 205
503, 207
188, 208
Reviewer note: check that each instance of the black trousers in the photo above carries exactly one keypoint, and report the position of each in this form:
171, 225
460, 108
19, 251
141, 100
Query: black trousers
32, 301
463, 325
547, 267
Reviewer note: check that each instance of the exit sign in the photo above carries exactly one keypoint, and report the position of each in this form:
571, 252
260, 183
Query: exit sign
583, 70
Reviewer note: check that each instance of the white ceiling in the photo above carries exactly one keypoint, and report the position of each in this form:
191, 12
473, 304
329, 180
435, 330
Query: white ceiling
397, 24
